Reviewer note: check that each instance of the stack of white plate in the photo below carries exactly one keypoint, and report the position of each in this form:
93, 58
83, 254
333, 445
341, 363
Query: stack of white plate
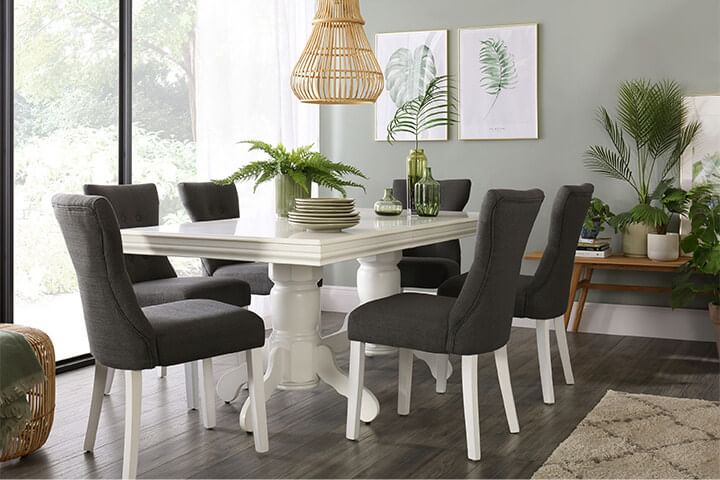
324, 214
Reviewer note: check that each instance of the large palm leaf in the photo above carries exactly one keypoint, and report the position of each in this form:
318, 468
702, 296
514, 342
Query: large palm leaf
498, 69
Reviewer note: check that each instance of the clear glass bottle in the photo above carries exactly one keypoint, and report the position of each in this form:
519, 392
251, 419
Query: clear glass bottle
427, 195
389, 205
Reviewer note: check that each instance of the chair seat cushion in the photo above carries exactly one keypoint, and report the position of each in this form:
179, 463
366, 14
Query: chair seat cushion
426, 272
227, 290
254, 273
406, 320
191, 330
452, 286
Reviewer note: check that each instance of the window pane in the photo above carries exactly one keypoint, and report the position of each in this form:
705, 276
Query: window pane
66, 115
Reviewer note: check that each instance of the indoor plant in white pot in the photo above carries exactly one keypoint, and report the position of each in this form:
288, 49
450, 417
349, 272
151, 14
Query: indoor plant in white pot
294, 171
664, 246
701, 275
648, 137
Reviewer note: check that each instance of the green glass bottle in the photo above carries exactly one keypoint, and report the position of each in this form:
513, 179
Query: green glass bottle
416, 164
427, 195
389, 205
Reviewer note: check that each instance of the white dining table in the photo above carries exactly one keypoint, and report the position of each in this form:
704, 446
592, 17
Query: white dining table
298, 357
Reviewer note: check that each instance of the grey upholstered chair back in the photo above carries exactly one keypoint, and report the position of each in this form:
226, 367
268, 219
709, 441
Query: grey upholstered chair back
119, 333
481, 318
136, 206
547, 295
205, 201
454, 196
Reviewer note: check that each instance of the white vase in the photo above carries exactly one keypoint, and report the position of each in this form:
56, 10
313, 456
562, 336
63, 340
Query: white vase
663, 248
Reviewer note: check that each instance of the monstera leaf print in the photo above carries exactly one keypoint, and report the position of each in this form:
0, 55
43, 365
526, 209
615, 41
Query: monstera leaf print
497, 66
707, 169
407, 74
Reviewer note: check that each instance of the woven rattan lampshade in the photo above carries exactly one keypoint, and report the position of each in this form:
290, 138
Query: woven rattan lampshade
337, 66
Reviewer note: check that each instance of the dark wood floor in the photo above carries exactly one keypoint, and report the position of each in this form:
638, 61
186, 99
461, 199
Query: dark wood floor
307, 428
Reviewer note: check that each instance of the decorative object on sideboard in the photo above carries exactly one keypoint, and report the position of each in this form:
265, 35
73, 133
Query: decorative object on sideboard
427, 195
596, 218
435, 107
410, 60
654, 117
294, 171
337, 65
388, 206
498, 82
701, 275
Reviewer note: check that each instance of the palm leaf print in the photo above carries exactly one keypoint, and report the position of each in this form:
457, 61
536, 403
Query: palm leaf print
497, 66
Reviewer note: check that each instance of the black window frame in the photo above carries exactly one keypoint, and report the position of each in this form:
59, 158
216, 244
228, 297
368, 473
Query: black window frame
7, 169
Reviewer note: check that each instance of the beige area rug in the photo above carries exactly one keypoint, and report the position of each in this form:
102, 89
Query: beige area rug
641, 436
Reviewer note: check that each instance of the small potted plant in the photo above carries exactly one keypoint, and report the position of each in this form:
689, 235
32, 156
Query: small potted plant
597, 216
701, 275
663, 245
648, 137
436, 107
294, 171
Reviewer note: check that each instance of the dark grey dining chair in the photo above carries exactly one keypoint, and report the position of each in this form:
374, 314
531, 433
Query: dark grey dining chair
544, 296
205, 201
428, 266
476, 322
153, 278
124, 336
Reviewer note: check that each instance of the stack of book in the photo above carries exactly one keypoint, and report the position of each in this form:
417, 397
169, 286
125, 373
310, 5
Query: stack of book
595, 248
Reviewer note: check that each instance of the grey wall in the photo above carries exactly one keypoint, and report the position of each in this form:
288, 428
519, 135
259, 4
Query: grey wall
585, 49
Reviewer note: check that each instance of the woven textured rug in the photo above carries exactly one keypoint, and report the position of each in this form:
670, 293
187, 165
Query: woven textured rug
641, 436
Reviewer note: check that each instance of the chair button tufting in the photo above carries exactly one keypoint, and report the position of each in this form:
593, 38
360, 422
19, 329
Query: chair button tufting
138, 217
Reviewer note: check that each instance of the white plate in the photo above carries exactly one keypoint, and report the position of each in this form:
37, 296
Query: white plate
324, 211
324, 201
326, 227
350, 214
319, 220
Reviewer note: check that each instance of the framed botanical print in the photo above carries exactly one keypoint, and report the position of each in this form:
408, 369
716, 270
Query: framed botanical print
498, 94
410, 61
700, 162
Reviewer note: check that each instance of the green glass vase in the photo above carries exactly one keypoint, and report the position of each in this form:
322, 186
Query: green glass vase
416, 165
389, 205
427, 195
286, 191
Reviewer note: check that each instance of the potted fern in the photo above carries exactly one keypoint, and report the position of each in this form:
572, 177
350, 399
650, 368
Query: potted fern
435, 107
701, 275
648, 137
293, 172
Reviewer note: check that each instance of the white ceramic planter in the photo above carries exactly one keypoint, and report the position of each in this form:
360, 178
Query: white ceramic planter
663, 248
635, 239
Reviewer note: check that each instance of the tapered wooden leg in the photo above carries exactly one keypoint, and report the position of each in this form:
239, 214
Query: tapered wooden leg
561, 336
405, 367
442, 369
207, 393
192, 391
357, 372
109, 381
101, 372
542, 333
503, 371
133, 406
256, 388
581, 301
470, 405
576, 273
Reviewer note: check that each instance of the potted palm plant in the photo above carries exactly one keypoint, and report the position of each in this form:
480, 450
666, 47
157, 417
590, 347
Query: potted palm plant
648, 137
294, 171
701, 275
436, 107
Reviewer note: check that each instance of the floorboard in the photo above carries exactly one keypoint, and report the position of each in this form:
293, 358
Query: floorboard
307, 428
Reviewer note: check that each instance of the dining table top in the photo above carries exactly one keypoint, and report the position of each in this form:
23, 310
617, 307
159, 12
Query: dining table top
275, 240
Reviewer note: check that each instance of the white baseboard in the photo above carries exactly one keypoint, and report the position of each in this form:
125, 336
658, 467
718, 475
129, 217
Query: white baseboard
603, 318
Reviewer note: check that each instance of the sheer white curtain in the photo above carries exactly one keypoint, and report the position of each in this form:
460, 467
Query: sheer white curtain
245, 52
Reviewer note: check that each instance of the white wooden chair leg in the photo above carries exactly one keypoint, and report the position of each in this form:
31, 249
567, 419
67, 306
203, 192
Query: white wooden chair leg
133, 407
470, 405
442, 373
503, 371
561, 336
405, 367
162, 372
355, 381
256, 390
109, 381
191, 385
542, 332
101, 372
207, 393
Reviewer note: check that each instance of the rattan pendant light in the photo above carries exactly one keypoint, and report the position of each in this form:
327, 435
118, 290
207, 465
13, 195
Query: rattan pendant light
337, 66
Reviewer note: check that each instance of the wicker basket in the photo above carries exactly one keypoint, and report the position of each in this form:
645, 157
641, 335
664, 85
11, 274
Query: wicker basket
41, 397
